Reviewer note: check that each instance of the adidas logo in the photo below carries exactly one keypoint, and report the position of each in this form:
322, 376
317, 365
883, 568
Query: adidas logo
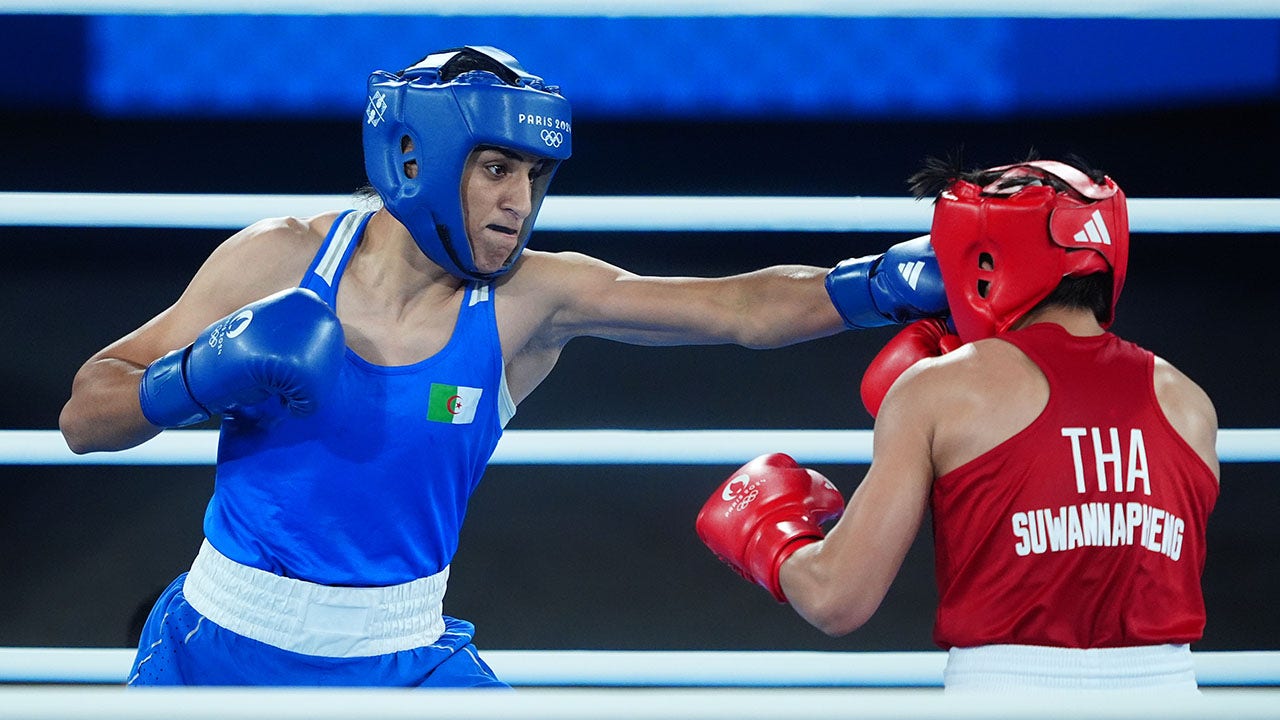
910, 271
1095, 231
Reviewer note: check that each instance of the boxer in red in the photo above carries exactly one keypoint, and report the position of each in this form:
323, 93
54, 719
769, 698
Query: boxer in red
1070, 473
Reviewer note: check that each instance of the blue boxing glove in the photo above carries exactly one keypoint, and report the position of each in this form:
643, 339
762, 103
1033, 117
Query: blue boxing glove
285, 348
901, 285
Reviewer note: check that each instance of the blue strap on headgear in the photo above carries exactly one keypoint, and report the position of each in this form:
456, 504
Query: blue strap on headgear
434, 114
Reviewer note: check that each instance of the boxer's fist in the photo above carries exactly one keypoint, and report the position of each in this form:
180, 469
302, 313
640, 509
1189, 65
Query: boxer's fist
763, 513
286, 348
901, 285
919, 340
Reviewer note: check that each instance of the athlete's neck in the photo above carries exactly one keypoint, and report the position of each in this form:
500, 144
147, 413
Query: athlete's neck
1077, 321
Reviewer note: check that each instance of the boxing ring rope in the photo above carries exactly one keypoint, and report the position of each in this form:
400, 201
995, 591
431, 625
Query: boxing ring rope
600, 668
568, 685
573, 447
610, 213
616, 704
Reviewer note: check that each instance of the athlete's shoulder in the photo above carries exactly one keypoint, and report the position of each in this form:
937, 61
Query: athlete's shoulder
976, 363
565, 274
1188, 408
286, 233
982, 379
544, 261
267, 256
288, 240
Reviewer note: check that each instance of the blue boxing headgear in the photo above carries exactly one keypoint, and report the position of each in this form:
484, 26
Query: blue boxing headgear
434, 114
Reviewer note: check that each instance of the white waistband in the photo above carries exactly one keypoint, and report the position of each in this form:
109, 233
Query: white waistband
1032, 667
313, 619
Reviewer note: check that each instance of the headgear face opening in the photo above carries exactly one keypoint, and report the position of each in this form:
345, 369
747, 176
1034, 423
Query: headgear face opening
432, 116
1003, 251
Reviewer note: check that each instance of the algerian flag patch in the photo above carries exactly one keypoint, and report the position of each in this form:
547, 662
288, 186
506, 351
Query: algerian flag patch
454, 404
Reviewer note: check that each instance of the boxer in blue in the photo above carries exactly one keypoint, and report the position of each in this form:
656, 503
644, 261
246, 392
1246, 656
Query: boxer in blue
364, 363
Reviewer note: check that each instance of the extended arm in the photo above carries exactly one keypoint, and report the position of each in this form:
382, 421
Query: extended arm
767, 308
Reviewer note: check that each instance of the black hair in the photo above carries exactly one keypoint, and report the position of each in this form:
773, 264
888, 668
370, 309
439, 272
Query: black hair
940, 173
367, 197
1088, 292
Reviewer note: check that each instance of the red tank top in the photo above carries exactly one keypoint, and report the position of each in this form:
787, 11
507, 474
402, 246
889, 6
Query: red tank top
1087, 528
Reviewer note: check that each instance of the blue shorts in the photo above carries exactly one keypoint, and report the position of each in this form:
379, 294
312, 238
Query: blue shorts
181, 647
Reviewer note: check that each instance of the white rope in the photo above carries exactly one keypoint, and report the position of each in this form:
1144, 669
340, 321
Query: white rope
668, 8
574, 447
618, 704
555, 668
610, 213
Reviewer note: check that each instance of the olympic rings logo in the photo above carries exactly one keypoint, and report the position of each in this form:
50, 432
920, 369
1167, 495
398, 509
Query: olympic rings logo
742, 502
552, 138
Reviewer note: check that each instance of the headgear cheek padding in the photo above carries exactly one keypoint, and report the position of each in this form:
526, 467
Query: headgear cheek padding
1003, 251
432, 116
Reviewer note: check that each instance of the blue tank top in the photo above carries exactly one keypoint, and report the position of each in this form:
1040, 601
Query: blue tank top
372, 488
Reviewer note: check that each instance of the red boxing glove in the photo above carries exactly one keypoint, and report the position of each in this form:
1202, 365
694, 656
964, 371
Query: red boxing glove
767, 510
919, 340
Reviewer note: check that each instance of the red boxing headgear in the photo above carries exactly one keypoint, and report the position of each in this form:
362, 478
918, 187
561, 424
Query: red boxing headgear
1002, 251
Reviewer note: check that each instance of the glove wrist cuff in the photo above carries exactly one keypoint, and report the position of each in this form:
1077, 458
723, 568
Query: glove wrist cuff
164, 395
774, 543
849, 287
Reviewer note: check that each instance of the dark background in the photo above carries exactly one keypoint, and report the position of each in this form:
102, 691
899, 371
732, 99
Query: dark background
604, 556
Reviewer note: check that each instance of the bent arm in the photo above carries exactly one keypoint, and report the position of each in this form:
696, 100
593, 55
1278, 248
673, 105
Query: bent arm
104, 412
837, 584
